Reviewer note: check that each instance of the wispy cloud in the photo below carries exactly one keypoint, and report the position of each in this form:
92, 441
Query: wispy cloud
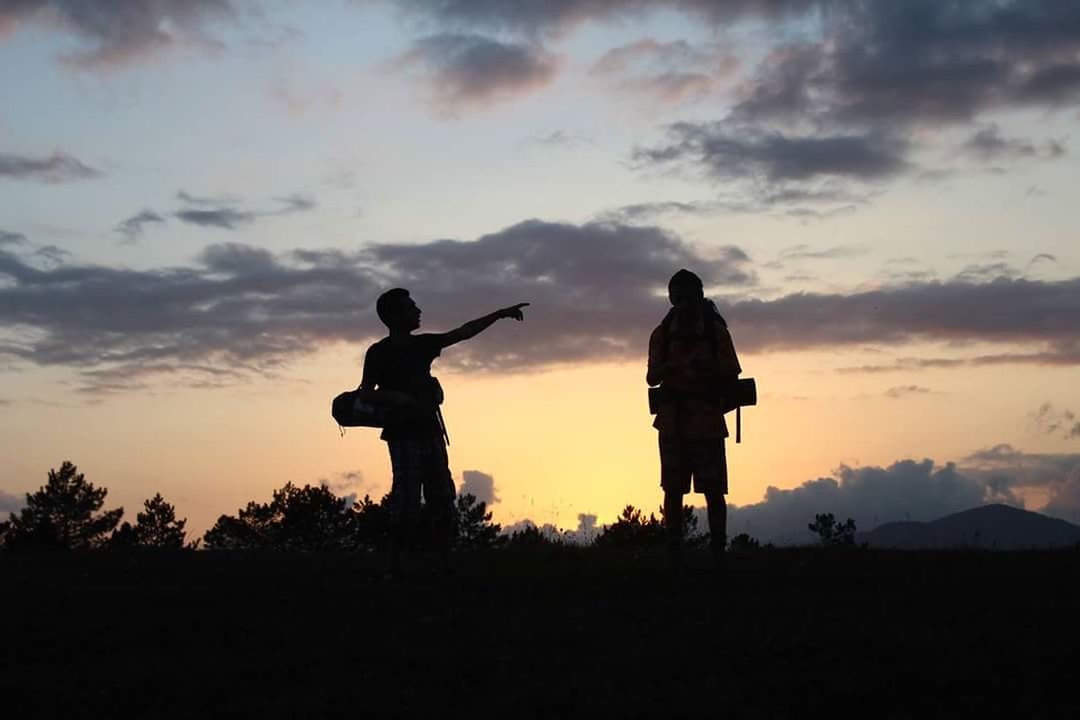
56, 168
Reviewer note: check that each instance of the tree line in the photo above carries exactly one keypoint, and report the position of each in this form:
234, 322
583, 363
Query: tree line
67, 514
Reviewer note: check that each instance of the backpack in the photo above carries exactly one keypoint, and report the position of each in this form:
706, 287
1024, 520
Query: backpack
735, 395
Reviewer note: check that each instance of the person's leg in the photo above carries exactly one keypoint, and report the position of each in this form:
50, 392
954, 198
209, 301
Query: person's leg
404, 499
717, 510
713, 471
673, 517
675, 480
439, 495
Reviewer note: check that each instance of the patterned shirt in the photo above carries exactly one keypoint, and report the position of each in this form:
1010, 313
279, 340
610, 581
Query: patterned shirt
692, 373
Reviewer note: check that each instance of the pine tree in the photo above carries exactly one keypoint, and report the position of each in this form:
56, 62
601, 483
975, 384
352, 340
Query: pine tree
155, 527
63, 514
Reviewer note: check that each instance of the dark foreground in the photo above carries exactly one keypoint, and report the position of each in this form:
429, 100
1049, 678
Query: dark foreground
553, 633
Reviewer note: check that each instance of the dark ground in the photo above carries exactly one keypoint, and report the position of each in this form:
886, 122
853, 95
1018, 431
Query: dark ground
554, 633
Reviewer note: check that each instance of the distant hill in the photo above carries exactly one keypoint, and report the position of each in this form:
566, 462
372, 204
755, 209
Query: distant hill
999, 527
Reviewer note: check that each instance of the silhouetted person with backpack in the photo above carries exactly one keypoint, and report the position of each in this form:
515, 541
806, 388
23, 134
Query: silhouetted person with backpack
397, 374
691, 357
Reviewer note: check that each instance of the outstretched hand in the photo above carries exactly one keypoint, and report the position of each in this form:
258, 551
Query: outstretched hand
514, 311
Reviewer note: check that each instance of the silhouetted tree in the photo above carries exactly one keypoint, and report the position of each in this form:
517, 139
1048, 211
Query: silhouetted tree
5, 528
63, 514
743, 543
634, 529
155, 527
307, 518
372, 523
831, 533
533, 536
474, 528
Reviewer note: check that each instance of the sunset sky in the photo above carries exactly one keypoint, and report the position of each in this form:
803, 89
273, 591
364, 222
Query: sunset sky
201, 199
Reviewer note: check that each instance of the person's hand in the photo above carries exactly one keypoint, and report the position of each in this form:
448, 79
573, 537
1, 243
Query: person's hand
514, 311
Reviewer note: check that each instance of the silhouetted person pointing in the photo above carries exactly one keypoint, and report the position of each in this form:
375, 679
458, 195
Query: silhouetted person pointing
397, 373
691, 356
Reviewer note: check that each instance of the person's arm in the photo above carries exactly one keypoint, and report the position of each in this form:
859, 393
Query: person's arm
474, 327
657, 368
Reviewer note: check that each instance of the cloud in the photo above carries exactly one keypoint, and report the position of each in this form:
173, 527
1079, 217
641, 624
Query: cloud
667, 73
724, 152
10, 503
56, 168
11, 238
466, 70
902, 391
349, 485
223, 218
222, 214
906, 490
241, 311
1048, 420
596, 289
551, 16
132, 228
585, 532
116, 33
923, 63
210, 201
1053, 475
987, 145
480, 485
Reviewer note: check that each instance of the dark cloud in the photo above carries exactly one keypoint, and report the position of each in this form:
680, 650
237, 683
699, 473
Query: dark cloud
465, 70
596, 289
221, 212
223, 218
1028, 312
1054, 475
725, 152
242, 311
480, 485
988, 145
906, 490
10, 503
11, 238
923, 62
114, 32
132, 228
56, 168
294, 203
545, 16
205, 201
1057, 354
902, 391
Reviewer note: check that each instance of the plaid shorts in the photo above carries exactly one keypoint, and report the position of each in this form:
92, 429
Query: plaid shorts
420, 465
703, 460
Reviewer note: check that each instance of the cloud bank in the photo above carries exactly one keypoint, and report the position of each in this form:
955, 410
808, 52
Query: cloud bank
597, 291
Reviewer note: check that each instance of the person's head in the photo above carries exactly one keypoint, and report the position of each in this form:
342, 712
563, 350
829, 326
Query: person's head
397, 310
685, 290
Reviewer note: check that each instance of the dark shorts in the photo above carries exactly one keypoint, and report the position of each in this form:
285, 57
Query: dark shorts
703, 460
421, 467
